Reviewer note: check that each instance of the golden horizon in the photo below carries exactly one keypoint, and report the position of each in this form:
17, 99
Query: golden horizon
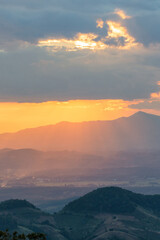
19, 116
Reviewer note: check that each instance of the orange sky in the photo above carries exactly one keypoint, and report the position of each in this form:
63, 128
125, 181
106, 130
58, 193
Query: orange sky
16, 116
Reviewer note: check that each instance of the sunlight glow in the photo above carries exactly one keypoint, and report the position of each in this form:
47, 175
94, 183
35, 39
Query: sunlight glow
116, 31
122, 14
81, 41
16, 116
117, 36
100, 23
155, 95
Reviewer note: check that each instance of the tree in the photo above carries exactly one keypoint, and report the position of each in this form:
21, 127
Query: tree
5, 235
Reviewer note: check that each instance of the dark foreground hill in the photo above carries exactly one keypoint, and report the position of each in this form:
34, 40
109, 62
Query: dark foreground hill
112, 213
109, 213
114, 200
22, 216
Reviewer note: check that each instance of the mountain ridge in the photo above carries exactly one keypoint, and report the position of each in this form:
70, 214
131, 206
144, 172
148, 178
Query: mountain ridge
139, 113
140, 131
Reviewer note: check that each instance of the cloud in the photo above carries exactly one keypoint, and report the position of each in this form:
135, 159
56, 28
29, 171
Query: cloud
156, 95
152, 103
100, 23
145, 28
80, 41
120, 34
30, 25
147, 104
122, 14
33, 75
116, 36
30, 21
73, 67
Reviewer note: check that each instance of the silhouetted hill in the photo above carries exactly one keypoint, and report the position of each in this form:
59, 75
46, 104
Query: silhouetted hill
114, 200
15, 203
112, 214
104, 200
104, 214
138, 132
23, 217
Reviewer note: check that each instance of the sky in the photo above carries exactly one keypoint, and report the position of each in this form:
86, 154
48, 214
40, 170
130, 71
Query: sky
77, 60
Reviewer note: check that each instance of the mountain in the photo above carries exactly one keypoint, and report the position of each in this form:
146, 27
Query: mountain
113, 200
28, 167
138, 132
26, 162
109, 213
23, 217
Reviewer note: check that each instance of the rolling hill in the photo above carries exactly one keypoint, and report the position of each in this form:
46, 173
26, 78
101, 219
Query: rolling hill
23, 217
112, 214
109, 213
138, 132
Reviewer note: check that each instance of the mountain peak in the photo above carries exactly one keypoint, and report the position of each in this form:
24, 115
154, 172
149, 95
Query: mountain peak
106, 200
113, 200
141, 114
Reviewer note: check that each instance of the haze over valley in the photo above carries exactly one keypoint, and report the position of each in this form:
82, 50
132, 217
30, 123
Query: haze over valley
79, 120
132, 165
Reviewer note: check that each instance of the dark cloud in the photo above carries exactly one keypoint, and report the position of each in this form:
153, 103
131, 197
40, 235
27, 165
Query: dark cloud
82, 4
147, 105
30, 73
31, 26
145, 28
30, 20
36, 76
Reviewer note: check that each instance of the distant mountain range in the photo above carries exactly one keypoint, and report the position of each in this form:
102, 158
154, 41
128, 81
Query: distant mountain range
25, 162
25, 167
109, 213
140, 131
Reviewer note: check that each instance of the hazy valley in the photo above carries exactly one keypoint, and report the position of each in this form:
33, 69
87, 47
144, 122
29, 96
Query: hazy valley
66, 174
54, 178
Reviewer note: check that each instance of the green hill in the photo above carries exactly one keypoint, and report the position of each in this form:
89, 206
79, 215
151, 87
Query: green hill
112, 213
15, 203
24, 217
113, 200
109, 213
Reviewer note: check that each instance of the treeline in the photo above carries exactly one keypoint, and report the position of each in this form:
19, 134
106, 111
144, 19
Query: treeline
5, 235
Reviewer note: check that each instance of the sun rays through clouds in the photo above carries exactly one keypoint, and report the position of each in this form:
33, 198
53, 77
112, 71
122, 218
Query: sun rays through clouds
117, 36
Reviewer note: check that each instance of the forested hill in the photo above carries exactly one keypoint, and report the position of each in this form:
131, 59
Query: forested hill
109, 213
114, 200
